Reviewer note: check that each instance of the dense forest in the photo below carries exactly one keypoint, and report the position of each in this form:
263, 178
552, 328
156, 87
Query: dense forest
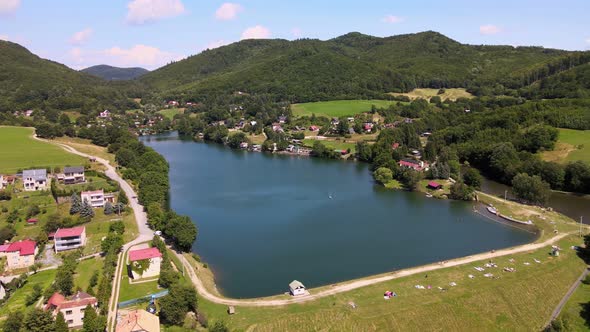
111, 73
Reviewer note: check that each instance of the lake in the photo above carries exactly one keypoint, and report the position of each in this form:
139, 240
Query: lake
266, 219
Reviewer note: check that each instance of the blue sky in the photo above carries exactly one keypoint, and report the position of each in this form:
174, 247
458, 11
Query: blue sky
151, 33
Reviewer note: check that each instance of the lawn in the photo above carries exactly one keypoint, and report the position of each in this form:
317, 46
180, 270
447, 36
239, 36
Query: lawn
20, 202
572, 145
21, 151
17, 300
130, 292
577, 307
522, 300
171, 112
85, 270
338, 108
85, 146
336, 145
451, 94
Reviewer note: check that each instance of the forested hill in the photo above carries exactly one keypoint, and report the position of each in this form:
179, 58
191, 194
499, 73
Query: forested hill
357, 65
111, 73
28, 81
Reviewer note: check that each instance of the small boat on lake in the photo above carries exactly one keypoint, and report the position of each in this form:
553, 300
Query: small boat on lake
492, 210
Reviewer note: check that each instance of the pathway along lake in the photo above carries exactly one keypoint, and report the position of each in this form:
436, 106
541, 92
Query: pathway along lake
266, 219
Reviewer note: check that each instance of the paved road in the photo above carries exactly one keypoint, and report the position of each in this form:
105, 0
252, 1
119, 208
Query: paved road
354, 284
567, 296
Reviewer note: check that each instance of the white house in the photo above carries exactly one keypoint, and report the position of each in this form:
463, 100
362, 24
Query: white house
95, 198
74, 174
35, 179
2, 291
72, 308
3, 182
105, 114
19, 254
151, 255
296, 288
69, 238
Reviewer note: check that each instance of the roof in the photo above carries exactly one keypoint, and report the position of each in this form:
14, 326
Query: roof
141, 254
80, 299
434, 184
32, 220
69, 232
74, 169
36, 174
139, 320
24, 248
295, 284
96, 192
4, 247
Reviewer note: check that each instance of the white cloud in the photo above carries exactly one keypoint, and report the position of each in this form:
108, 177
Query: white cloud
216, 44
146, 11
296, 32
256, 32
139, 55
8, 7
489, 29
228, 11
81, 37
392, 19
4, 37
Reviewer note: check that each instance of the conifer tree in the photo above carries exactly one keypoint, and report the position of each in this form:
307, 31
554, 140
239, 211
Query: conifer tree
76, 204
108, 208
86, 210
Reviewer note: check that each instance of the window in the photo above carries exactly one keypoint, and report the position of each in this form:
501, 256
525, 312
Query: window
70, 321
68, 312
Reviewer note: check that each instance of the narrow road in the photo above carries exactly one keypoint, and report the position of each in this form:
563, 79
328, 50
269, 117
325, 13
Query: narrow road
567, 296
354, 284
145, 233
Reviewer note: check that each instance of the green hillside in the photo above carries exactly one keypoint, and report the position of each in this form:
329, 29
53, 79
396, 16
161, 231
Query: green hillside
111, 73
358, 66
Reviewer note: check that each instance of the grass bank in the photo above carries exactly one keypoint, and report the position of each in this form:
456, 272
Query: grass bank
338, 108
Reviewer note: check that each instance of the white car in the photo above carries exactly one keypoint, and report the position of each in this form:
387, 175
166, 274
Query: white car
158, 233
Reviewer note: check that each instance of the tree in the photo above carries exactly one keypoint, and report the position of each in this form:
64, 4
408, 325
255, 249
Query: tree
86, 211
125, 157
6, 233
410, 179
90, 318
472, 178
175, 305
76, 204
108, 208
38, 321
531, 189
182, 230
64, 282
117, 227
383, 175
219, 326
461, 191
14, 322
60, 323
113, 242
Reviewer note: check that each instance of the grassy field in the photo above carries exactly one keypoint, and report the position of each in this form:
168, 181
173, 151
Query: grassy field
130, 292
336, 145
576, 313
522, 300
171, 112
21, 151
337, 108
451, 94
85, 270
17, 300
85, 146
572, 145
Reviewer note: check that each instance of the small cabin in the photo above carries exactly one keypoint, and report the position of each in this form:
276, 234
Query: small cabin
434, 185
32, 221
296, 288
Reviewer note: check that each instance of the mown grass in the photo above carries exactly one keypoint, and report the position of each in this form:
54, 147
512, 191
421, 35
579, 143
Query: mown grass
171, 112
85, 270
576, 313
451, 94
130, 292
331, 144
579, 140
338, 108
522, 300
17, 301
20, 151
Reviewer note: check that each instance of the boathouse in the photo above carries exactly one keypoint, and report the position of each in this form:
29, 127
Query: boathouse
434, 185
296, 288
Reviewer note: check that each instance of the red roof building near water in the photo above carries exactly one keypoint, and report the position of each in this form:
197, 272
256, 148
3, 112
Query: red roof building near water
141, 254
24, 248
434, 185
69, 232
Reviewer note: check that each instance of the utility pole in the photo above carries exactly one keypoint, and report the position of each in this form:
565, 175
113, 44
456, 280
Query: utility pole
581, 217
505, 195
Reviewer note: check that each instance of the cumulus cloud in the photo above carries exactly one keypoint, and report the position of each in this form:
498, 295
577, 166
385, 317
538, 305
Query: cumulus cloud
147, 11
81, 37
256, 32
489, 29
296, 32
138, 55
392, 19
228, 11
8, 7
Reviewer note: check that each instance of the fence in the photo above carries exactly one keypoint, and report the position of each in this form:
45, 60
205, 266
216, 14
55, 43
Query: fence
128, 303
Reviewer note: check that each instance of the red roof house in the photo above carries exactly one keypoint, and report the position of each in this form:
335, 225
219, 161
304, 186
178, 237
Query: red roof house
24, 248
32, 221
434, 185
416, 165
141, 254
69, 232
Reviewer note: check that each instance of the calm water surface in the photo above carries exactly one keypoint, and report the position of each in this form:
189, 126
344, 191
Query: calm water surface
265, 220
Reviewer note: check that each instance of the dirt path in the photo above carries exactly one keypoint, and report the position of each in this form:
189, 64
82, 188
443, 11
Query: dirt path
354, 284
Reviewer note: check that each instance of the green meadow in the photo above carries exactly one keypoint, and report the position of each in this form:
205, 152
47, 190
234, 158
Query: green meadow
580, 140
21, 151
338, 108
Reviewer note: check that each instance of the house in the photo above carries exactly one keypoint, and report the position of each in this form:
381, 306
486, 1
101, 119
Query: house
173, 103
416, 165
350, 119
69, 238
434, 185
2, 291
151, 255
72, 308
35, 179
3, 182
32, 221
94, 198
74, 174
395, 146
138, 320
20, 254
104, 114
28, 112
276, 127
314, 128
253, 123
296, 288
243, 145
282, 119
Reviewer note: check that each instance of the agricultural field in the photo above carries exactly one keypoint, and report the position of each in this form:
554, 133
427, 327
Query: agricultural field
338, 108
522, 300
572, 145
451, 94
17, 301
21, 151
171, 112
